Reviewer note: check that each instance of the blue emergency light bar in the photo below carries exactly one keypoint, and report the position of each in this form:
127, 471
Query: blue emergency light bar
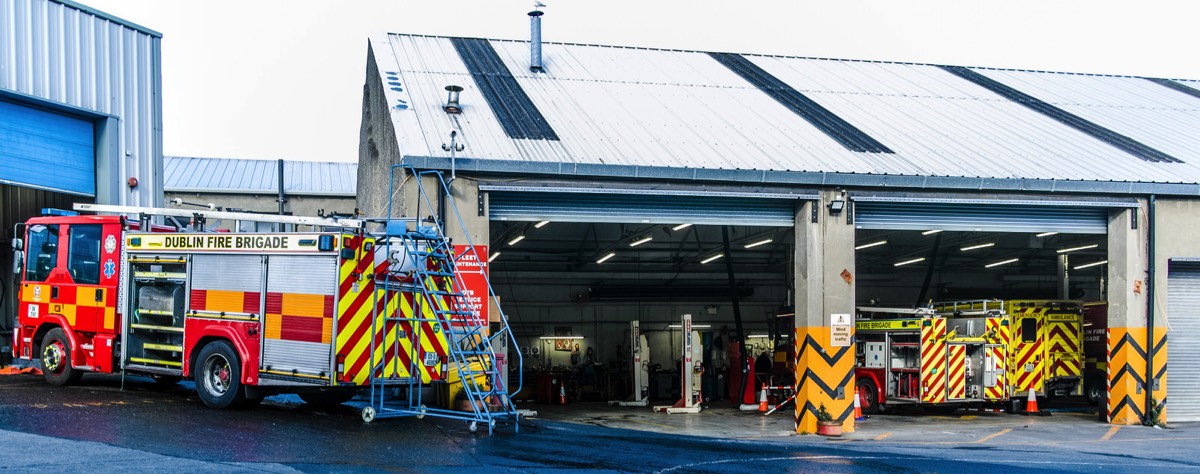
50, 211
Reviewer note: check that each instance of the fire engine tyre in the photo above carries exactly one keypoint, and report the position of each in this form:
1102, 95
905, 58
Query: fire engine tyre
56, 359
868, 397
219, 375
1094, 390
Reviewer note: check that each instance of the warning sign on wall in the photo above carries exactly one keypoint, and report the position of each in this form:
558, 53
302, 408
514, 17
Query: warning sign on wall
472, 270
839, 330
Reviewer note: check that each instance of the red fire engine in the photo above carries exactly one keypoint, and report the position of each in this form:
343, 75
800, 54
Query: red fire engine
243, 314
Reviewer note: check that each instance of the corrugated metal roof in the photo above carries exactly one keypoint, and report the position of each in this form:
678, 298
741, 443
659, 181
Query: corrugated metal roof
225, 175
651, 108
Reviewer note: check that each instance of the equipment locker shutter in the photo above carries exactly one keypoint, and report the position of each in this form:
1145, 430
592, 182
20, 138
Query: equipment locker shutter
639, 208
979, 217
46, 150
299, 318
1183, 347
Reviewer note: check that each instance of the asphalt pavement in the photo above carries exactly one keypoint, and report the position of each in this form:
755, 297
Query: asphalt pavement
108, 425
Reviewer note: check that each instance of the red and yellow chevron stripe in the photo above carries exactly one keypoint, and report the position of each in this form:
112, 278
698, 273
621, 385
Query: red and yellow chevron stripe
999, 390
406, 332
1065, 355
956, 371
1026, 358
933, 360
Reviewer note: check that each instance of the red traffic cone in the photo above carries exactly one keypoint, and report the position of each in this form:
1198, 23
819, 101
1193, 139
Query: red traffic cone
762, 399
562, 395
857, 406
1031, 403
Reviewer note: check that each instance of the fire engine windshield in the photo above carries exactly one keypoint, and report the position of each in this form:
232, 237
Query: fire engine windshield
43, 252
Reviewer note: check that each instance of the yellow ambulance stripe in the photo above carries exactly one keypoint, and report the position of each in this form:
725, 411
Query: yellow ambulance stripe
224, 300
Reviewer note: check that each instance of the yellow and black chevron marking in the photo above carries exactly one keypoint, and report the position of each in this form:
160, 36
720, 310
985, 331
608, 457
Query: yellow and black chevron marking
1127, 379
956, 370
933, 360
820, 371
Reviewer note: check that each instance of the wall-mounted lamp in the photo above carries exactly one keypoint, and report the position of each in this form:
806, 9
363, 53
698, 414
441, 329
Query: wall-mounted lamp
452, 106
836, 206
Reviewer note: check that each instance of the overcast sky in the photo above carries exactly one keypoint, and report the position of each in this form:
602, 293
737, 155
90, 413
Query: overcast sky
283, 79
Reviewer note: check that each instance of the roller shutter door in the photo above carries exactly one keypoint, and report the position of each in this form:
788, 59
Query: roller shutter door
298, 322
1183, 343
981, 217
46, 150
636, 208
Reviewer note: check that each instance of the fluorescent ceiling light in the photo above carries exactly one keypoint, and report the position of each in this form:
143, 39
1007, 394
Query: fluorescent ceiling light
906, 262
980, 246
761, 242
1046, 234
928, 232
755, 336
606, 257
516, 239
493, 257
709, 259
539, 225
681, 226
694, 326
561, 337
1004, 262
1084, 247
1089, 265
641, 241
872, 244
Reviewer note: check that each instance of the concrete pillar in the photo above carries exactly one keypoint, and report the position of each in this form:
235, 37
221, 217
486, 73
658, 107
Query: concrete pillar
1128, 280
824, 262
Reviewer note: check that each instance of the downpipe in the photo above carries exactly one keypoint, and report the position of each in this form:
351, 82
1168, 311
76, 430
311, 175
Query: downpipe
1151, 381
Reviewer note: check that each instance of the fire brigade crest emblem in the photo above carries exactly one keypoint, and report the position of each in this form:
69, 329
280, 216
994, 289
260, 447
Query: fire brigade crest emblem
110, 244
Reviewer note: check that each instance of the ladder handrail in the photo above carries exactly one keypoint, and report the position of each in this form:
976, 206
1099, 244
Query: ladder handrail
444, 188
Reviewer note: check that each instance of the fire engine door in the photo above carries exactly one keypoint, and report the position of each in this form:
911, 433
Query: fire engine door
1028, 354
40, 292
298, 322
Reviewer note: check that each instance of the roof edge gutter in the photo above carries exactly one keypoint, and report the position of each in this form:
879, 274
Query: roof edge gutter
803, 178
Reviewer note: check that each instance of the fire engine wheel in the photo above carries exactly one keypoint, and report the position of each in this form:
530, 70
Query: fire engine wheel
868, 397
218, 380
56, 359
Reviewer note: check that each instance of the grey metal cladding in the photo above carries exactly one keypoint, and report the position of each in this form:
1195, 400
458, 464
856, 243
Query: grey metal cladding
227, 272
1121, 142
836, 127
308, 274
512, 106
306, 357
1179, 86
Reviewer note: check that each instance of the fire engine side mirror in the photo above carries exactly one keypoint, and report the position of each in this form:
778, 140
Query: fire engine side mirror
17, 263
18, 244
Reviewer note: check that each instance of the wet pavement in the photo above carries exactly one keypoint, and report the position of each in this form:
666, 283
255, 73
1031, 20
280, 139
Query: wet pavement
101, 427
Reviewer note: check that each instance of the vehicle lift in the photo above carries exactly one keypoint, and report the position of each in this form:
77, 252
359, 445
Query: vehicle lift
640, 353
691, 368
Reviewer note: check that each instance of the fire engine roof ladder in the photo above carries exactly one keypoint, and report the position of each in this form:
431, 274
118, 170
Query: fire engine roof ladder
201, 216
438, 291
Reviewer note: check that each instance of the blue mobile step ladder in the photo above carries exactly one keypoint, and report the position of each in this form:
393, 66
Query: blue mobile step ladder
438, 301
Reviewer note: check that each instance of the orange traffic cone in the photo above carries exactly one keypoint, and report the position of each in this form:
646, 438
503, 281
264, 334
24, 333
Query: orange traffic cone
562, 395
1031, 403
857, 406
762, 399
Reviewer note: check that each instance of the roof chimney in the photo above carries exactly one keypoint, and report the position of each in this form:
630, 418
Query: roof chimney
452, 106
535, 40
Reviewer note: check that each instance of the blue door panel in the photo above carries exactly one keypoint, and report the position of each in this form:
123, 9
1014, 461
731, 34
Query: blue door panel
46, 150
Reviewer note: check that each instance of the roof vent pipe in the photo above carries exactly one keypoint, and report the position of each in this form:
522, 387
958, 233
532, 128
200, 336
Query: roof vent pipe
452, 106
535, 40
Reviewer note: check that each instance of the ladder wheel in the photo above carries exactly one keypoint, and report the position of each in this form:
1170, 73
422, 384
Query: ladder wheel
368, 414
421, 412
474, 426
